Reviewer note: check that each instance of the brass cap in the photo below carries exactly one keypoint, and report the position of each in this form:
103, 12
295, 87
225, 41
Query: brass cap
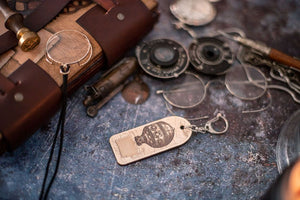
28, 40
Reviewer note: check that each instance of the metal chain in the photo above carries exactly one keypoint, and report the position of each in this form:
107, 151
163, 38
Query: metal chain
197, 129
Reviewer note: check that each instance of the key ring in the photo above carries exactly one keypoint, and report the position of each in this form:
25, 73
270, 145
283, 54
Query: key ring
208, 127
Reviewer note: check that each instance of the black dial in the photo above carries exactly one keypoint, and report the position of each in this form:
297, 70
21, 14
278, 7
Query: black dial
210, 55
162, 58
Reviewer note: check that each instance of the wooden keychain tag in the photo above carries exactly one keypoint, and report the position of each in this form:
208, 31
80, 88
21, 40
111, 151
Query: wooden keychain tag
150, 139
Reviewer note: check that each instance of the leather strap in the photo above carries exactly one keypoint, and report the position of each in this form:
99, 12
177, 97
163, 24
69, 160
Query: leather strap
42, 15
29, 104
106, 4
119, 28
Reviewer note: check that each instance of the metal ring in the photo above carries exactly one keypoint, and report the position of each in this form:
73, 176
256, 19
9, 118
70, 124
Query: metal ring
209, 128
87, 54
201, 83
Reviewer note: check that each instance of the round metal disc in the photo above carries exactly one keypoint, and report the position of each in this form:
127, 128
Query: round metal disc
210, 55
193, 12
162, 58
136, 92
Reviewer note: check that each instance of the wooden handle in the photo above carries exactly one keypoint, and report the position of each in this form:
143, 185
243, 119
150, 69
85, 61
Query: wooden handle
28, 40
13, 20
5, 10
284, 59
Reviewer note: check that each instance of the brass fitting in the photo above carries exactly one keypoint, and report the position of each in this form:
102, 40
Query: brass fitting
28, 40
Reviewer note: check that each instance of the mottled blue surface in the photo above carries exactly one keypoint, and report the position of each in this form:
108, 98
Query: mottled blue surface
240, 164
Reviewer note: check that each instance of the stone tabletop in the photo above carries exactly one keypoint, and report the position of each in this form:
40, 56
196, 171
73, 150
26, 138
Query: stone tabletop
240, 164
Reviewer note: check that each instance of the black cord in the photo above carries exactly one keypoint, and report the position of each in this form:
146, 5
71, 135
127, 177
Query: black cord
51, 155
59, 129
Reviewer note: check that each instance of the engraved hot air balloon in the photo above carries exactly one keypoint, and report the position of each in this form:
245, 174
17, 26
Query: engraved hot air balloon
156, 135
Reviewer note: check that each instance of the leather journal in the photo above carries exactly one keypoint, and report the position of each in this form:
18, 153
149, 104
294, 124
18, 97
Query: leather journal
30, 87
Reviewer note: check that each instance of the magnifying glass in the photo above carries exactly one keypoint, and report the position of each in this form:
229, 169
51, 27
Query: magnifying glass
68, 47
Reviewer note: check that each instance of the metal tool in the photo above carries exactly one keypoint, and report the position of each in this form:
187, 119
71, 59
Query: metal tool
109, 85
265, 50
278, 72
28, 39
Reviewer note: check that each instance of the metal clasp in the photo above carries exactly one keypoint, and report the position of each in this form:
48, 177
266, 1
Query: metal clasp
65, 69
208, 127
209, 124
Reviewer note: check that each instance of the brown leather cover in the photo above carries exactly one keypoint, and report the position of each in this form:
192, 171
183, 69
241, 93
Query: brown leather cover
41, 95
5, 84
116, 35
19, 120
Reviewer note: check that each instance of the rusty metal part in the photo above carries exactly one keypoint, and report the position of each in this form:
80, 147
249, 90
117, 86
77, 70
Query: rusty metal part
136, 91
109, 82
28, 40
108, 85
92, 110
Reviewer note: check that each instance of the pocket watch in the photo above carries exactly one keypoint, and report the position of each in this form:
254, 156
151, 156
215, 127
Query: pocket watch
193, 12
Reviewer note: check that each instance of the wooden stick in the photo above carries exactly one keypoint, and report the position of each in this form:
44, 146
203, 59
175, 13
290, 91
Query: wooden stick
284, 58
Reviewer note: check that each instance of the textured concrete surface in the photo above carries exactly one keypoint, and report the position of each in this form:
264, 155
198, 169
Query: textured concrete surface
240, 164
